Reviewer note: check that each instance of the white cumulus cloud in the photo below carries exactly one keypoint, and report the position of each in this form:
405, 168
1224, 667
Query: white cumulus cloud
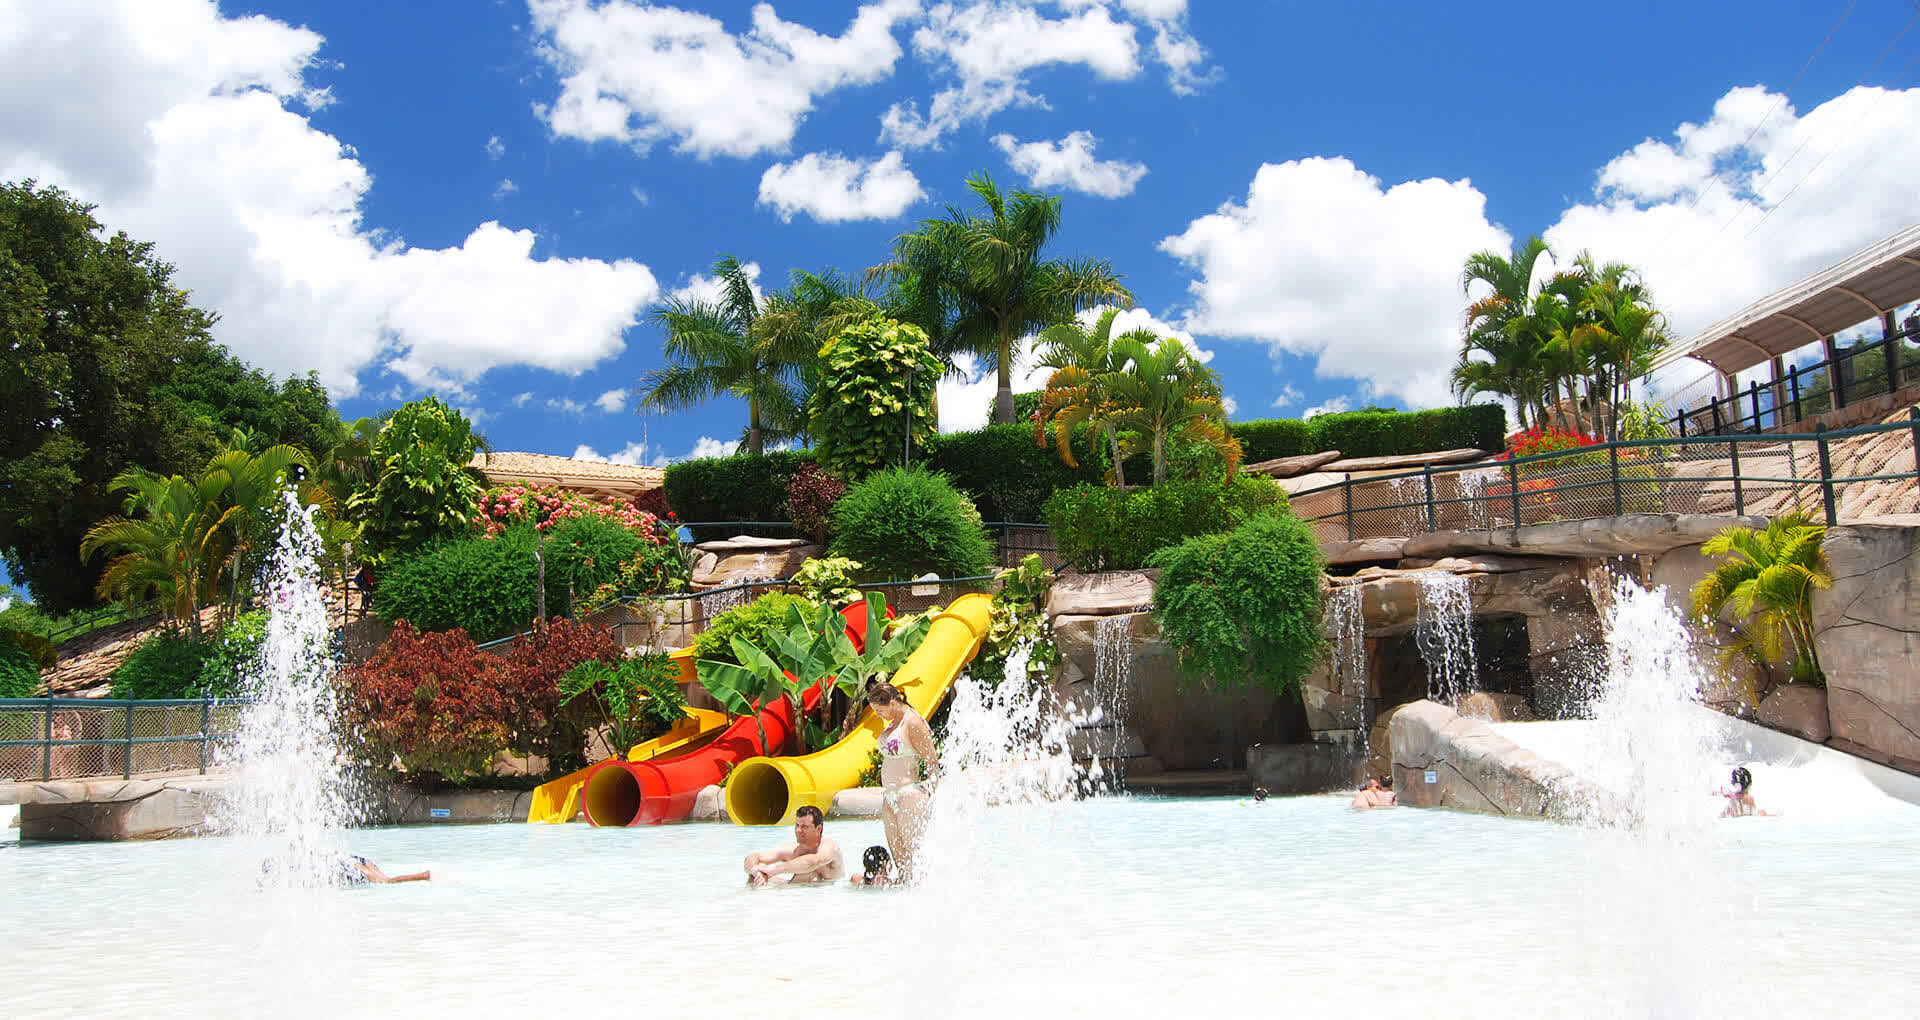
611, 401
1334, 406
1323, 260
187, 128
495, 147
834, 189
966, 402
641, 73
1716, 221
566, 405
1070, 163
504, 188
634, 453
1289, 396
707, 446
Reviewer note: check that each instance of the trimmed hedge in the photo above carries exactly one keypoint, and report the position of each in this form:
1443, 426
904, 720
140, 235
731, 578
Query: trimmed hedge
901, 523
1272, 438
736, 488
1009, 476
1102, 528
1390, 433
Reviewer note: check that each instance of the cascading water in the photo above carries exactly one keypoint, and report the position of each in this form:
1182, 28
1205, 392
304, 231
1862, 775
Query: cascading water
1112, 677
1347, 623
1473, 489
1443, 629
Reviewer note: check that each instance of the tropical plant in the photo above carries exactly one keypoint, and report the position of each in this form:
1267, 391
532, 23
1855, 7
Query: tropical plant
434, 703
1163, 392
166, 664
636, 699
985, 279
901, 523
425, 488
875, 396
752, 621
713, 348
1018, 619
828, 580
171, 547
1078, 391
234, 655
1244, 606
1768, 577
1503, 349
535, 663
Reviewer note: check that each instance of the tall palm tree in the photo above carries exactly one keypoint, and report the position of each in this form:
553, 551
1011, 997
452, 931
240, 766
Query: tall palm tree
985, 277
1161, 393
173, 549
249, 486
1499, 324
1077, 392
712, 349
800, 320
1624, 337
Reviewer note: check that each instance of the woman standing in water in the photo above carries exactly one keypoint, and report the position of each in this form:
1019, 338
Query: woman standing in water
905, 746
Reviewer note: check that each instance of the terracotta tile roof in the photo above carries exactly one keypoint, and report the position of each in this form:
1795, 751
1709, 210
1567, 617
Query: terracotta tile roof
589, 476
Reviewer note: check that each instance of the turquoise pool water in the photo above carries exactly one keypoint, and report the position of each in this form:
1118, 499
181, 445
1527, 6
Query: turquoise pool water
1113, 908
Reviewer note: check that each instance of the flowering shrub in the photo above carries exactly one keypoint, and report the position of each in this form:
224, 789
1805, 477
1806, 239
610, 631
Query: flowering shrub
1545, 439
653, 501
811, 494
503, 506
433, 702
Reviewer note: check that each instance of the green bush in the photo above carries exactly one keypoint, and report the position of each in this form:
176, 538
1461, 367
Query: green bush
1272, 438
19, 675
737, 488
37, 648
483, 586
588, 552
875, 385
754, 621
1243, 607
165, 665
1009, 475
1102, 528
234, 654
902, 523
1391, 433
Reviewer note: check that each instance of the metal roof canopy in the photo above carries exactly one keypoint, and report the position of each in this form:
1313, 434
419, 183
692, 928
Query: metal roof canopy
1864, 286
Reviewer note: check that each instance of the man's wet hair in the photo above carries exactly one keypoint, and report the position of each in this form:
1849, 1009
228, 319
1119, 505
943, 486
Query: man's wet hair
809, 811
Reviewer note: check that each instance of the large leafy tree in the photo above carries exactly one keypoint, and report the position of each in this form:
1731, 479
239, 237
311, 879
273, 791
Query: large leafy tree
986, 278
425, 487
875, 396
713, 349
90, 326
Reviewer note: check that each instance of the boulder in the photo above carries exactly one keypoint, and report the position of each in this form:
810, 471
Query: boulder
1313, 480
749, 543
1101, 594
117, 809
1304, 768
1490, 707
710, 804
753, 564
858, 802
1799, 709
1409, 461
1866, 633
1472, 768
1363, 550
1287, 467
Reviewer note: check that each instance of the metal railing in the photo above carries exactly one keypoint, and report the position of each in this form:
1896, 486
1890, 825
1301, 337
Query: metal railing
92, 620
1865, 370
1734, 474
82, 738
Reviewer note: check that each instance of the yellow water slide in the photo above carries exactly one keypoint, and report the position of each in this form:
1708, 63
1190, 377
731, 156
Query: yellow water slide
559, 800
767, 791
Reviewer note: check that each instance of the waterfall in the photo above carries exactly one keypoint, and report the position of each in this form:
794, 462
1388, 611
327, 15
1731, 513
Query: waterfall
1346, 621
1443, 629
1112, 680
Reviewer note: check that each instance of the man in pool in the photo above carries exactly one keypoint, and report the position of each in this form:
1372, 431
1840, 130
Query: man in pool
811, 857
359, 871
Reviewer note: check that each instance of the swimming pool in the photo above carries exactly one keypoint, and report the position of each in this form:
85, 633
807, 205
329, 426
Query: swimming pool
1108, 907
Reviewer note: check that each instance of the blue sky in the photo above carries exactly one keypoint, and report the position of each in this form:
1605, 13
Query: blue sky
483, 200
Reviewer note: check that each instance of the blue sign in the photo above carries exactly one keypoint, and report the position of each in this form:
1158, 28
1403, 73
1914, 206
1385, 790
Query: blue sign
441, 812
1432, 776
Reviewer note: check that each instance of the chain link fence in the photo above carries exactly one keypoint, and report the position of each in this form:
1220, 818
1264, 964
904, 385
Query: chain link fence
82, 738
1841, 475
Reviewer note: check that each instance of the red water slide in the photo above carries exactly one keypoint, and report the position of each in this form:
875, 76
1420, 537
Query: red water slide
621, 793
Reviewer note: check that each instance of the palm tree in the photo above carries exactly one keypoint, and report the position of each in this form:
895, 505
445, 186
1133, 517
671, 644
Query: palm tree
1769, 577
1075, 392
712, 349
173, 550
800, 320
1501, 326
249, 486
983, 277
1161, 393
1624, 337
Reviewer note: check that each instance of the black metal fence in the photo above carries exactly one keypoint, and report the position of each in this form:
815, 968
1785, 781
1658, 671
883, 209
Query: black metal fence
1864, 370
1727, 474
82, 738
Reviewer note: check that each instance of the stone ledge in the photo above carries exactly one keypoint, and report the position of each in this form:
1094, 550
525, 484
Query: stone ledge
1598, 536
1476, 769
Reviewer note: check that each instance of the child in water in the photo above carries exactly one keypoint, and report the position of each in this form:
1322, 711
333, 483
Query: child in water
876, 867
1740, 802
